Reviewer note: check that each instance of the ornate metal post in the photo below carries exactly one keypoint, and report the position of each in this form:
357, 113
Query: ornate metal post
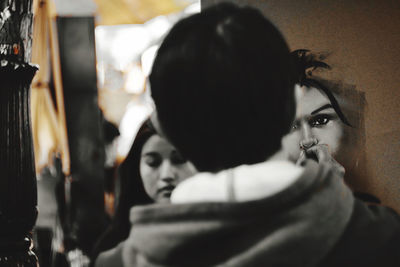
18, 197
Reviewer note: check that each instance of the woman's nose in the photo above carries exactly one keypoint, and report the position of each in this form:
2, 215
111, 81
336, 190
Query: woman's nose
167, 173
167, 179
308, 139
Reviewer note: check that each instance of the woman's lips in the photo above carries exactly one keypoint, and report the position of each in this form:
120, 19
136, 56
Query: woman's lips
166, 190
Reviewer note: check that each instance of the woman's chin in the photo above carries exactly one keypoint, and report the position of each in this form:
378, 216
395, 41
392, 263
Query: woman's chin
164, 198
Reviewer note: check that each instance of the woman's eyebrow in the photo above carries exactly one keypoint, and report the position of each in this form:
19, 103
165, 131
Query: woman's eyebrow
150, 153
321, 108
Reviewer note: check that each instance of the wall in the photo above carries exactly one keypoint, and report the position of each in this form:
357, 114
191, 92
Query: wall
364, 38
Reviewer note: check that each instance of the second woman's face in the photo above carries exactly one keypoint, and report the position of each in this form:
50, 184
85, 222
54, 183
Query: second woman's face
162, 168
316, 122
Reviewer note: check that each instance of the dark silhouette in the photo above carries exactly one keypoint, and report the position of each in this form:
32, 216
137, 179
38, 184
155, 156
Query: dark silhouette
131, 193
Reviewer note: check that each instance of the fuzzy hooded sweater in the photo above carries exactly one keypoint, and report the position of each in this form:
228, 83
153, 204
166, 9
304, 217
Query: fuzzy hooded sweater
312, 220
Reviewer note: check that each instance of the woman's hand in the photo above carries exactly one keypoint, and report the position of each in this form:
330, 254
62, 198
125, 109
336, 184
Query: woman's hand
321, 153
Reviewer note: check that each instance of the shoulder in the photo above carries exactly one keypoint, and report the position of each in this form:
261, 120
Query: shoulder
245, 182
371, 238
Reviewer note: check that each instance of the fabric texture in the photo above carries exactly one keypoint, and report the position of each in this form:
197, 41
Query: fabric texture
297, 226
235, 185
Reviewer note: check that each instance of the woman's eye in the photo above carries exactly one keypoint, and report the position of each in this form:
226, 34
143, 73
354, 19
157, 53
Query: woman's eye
319, 120
177, 158
295, 126
153, 160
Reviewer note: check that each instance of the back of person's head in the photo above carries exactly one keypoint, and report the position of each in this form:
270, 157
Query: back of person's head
222, 83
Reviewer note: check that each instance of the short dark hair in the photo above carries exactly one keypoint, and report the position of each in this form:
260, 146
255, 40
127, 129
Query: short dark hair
222, 83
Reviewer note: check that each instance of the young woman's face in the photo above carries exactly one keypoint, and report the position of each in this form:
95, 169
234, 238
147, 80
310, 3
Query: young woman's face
316, 122
162, 168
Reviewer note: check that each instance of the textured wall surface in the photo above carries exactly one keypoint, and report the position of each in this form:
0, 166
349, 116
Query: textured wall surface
363, 37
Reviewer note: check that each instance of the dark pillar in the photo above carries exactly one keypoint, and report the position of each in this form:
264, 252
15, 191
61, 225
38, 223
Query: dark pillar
18, 197
85, 216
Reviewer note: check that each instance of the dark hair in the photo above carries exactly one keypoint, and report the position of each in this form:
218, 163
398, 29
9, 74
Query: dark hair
222, 83
110, 131
132, 193
306, 62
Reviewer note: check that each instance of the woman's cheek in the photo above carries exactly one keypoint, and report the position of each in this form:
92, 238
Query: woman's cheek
291, 145
185, 171
149, 179
331, 136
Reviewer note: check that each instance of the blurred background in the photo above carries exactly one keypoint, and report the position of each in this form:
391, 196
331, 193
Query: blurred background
87, 102
126, 37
